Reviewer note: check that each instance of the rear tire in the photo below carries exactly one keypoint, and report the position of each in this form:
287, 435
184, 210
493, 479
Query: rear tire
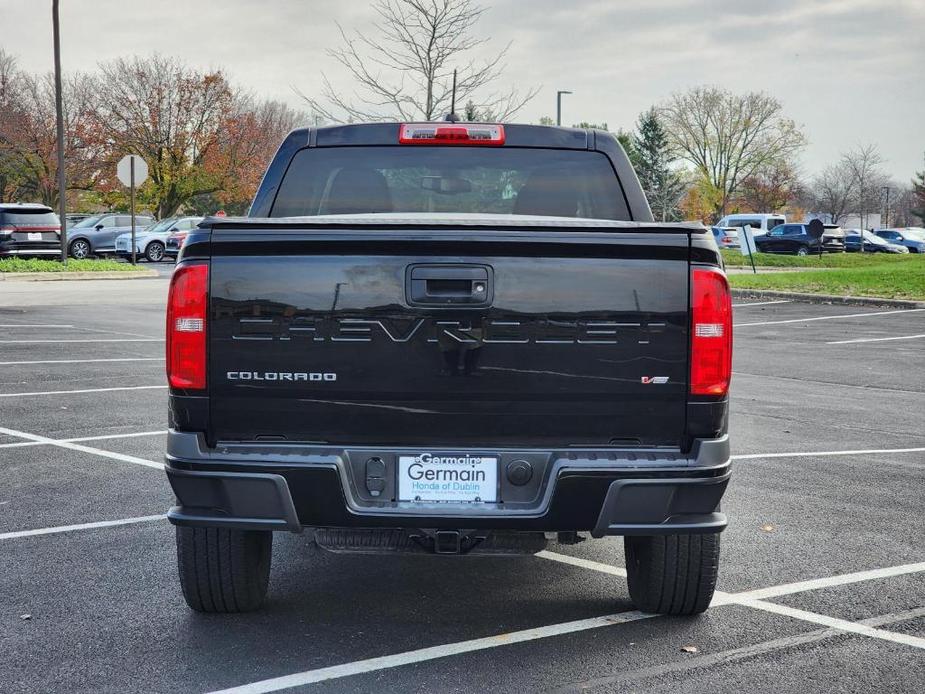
802, 251
224, 570
672, 574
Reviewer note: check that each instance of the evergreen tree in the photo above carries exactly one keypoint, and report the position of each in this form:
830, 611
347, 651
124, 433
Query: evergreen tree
653, 159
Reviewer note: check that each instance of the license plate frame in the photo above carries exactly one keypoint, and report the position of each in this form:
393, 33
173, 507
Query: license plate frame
450, 478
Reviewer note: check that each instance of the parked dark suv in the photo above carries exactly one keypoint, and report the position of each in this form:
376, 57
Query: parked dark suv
795, 238
28, 230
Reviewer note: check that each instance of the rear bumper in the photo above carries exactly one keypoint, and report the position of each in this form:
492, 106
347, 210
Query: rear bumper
33, 248
285, 487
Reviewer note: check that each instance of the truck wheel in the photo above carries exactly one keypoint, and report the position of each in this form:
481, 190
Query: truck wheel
224, 570
672, 574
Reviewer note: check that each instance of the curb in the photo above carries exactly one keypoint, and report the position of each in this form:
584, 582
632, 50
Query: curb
61, 276
826, 298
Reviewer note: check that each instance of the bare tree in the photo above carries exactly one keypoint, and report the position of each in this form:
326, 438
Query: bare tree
863, 165
833, 192
729, 137
404, 69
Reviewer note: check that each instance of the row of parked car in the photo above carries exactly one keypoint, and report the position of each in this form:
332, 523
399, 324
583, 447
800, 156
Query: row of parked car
34, 230
773, 234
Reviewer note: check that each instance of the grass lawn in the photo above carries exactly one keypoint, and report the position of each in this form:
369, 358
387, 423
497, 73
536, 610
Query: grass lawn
899, 277
736, 259
40, 265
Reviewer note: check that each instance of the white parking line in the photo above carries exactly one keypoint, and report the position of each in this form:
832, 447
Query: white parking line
732, 655
876, 339
78, 361
756, 598
846, 315
424, 654
85, 390
812, 454
762, 303
582, 563
831, 581
746, 599
81, 439
58, 342
83, 449
833, 622
82, 526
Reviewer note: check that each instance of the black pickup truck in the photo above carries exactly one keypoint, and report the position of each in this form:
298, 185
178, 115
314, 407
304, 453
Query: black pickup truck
455, 339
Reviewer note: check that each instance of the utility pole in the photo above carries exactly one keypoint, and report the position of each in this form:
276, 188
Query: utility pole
559, 106
885, 221
62, 184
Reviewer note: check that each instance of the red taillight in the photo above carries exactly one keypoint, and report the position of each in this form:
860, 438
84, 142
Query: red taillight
450, 134
186, 327
711, 332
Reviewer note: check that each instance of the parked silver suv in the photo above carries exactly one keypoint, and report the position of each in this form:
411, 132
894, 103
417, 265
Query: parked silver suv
97, 235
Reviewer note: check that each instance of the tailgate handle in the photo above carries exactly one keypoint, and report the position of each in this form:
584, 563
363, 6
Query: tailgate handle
442, 285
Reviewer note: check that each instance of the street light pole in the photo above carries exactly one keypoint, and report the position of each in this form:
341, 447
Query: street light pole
559, 106
62, 186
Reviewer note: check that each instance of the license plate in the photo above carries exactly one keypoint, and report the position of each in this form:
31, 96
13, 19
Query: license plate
34, 235
456, 478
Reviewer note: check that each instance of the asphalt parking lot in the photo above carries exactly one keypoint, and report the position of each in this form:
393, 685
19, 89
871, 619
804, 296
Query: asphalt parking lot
822, 571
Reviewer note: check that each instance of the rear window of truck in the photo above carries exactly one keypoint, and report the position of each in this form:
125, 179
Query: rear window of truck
499, 180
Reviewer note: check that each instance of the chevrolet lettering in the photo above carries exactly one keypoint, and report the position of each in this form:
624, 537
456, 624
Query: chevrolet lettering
448, 338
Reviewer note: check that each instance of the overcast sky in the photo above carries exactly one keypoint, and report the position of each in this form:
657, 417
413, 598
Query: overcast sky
850, 71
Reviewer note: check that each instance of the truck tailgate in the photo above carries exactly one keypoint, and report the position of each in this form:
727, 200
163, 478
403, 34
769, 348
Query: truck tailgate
383, 337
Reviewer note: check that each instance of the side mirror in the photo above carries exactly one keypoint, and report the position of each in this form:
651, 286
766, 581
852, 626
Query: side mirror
98, 227
173, 228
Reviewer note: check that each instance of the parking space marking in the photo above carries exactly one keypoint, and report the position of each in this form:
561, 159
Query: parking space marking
745, 599
360, 667
34, 325
78, 361
114, 332
81, 526
582, 563
762, 303
83, 449
734, 654
80, 439
831, 581
876, 339
820, 382
85, 390
833, 622
58, 342
810, 454
814, 318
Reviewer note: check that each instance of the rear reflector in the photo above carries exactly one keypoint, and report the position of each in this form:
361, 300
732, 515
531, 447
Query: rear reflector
186, 327
711, 337
450, 134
